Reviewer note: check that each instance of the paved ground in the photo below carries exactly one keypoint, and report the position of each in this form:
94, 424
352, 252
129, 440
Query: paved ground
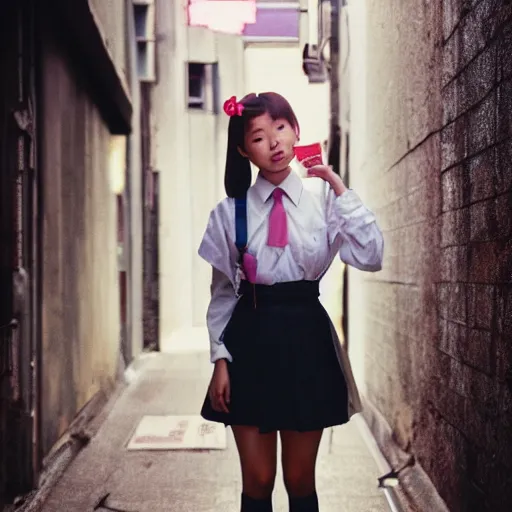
171, 481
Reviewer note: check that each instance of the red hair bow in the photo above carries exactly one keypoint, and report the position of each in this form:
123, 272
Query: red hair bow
233, 107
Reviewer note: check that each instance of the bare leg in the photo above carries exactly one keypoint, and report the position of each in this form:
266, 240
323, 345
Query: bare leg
300, 450
258, 460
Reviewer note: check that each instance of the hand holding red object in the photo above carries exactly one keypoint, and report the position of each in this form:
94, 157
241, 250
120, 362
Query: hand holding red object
309, 155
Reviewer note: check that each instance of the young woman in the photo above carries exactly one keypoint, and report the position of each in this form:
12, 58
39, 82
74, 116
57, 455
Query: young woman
277, 365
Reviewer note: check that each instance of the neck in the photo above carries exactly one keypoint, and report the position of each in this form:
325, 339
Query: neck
276, 178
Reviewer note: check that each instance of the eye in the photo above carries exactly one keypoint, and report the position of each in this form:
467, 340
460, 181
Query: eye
281, 127
259, 139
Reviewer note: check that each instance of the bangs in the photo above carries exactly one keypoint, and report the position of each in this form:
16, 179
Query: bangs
269, 103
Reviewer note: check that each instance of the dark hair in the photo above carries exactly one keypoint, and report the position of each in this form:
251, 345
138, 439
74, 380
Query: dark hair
237, 177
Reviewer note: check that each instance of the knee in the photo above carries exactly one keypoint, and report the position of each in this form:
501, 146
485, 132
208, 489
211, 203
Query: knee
259, 483
298, 482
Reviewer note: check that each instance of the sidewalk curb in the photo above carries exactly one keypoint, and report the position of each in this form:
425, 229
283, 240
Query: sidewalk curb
415, 491
383, 465
66, 449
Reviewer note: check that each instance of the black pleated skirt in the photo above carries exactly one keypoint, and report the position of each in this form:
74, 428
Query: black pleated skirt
285, 374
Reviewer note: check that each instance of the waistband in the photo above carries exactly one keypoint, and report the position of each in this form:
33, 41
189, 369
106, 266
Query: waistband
288, 291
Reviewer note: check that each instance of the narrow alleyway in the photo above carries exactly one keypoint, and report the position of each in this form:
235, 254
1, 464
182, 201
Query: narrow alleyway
112, 155
173, 382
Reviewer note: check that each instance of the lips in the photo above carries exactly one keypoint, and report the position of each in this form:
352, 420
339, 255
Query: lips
277, 157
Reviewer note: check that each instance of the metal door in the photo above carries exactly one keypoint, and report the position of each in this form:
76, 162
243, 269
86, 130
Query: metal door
18, 252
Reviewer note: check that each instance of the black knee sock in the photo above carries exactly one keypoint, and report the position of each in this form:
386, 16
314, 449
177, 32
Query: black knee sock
305, 504
256, 505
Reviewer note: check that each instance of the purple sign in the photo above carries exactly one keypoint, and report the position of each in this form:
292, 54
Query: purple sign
274, 23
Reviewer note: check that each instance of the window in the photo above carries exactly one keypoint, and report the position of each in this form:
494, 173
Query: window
196, 79
140, 12
144, 19
203, 86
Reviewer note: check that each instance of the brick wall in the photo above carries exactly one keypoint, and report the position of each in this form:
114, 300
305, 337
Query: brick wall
431, 333
474, 289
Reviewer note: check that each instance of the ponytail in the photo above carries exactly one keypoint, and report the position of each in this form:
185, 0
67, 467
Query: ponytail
237, 176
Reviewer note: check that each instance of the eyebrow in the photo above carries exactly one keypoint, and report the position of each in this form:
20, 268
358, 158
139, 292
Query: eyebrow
256, 131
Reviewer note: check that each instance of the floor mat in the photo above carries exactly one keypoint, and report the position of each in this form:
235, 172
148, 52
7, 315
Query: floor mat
178, 433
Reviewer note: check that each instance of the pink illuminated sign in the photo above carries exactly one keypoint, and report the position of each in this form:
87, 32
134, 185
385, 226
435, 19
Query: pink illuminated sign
229, 16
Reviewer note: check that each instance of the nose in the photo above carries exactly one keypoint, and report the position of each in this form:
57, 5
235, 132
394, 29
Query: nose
274, 142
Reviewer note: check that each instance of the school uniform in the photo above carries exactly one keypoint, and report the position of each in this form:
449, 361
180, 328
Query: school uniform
287, 369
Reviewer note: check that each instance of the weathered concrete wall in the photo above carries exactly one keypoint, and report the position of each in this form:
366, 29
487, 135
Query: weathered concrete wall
187, 149
110, 16
80, 296
430, 152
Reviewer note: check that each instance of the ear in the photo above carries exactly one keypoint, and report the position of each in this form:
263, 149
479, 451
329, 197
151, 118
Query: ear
242, 152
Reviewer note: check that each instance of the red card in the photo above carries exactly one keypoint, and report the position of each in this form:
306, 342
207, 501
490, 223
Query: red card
309, 155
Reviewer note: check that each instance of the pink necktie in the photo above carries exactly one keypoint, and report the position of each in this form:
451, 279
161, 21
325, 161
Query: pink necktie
277, 227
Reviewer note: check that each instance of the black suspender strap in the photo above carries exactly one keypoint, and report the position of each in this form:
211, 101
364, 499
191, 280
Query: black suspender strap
241, 224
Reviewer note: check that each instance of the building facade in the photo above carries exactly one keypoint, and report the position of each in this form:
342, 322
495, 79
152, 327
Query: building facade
197, 70
71, 225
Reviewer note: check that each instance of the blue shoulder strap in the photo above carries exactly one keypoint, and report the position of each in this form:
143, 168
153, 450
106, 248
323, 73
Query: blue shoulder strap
241, 223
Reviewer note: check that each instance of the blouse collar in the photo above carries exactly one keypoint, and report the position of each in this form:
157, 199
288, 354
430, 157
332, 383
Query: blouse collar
291, 185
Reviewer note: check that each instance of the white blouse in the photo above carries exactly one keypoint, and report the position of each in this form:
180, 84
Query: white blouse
320, 224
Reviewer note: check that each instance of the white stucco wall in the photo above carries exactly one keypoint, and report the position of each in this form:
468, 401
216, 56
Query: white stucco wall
188, 149
355, 92
135, 171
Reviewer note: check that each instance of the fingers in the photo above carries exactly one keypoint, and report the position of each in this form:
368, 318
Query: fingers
227, 394
219, 403
320, 168
222, 404
319, 171
220, 390
220, 399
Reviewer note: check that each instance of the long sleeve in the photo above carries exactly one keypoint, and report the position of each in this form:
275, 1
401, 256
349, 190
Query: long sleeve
217, 246
218, 249
222, 303
354, 227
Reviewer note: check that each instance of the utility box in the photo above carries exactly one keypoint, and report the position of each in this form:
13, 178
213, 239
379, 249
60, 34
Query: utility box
313, 64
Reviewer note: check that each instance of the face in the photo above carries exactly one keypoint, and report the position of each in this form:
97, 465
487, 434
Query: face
269, 144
